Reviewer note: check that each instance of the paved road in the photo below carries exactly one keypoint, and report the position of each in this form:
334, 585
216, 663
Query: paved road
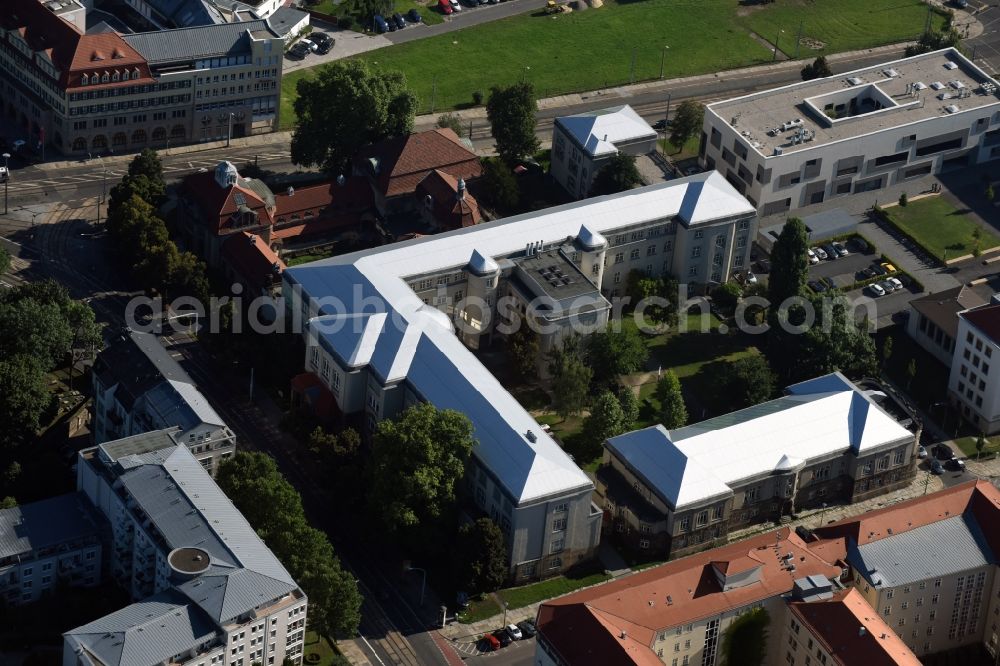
986, 47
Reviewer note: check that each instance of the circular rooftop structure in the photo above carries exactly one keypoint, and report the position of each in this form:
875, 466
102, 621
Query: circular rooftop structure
189, 561
436, 316
591, 240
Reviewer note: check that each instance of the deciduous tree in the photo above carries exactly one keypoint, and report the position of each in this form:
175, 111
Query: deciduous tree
416, 462
789, 263
523, 347
606, 420
480, 557
23, 397
349, 104
451, 121
817, 69
570, 378
618, 174
613, 353
630, 406
4, 260
511, 112
687, 122
498, 186
673, 412
747, 381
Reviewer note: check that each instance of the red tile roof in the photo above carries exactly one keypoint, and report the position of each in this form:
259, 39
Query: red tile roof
450, 211
218, 204
986, 319
253, 260
404, 161
836, 623
72, 52
354, 195
678, 592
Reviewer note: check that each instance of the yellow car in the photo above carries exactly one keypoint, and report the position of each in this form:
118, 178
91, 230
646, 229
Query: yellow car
889, 268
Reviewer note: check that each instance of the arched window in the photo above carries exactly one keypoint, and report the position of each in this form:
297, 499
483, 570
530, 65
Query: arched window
79, 143
84, 79
160, 134
114, 77
105, 78
139, 136
99, 142
119, 139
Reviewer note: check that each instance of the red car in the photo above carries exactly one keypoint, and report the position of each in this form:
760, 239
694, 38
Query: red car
489, 642
445, 7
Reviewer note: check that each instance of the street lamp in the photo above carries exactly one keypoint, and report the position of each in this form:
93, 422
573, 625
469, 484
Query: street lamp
663, 57
229, 137
104, 188
505, 605
6, 181
423, 581
776, 44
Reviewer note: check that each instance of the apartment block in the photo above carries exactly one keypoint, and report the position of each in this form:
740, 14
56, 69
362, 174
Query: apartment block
888, 587
207, 589
105, 92
389, 327
854, 133
972, 389
585, 142
138, 387
48, 543
676, 492
933, 320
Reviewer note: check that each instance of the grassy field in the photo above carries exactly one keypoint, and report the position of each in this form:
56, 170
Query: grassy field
611, 46
944, 230
328, 656
518, 597
478, 610
968, 446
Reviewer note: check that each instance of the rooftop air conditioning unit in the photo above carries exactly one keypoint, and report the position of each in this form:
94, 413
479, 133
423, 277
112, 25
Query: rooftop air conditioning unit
950, 65
855, 81
951, 108
920, 85
937, 85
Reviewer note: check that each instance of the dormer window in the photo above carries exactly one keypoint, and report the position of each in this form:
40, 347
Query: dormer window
135, 73
105, 78
114, 77
84, 79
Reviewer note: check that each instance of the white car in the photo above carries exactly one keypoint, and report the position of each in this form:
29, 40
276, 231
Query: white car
313, 46
813, 259
896, 284
876, 289
4, 175
921, 452
841, 250
455, 5
514, 632
819, 252
751, 278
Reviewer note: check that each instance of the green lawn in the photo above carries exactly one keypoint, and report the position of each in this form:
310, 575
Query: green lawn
402, 6
593, 49
968, 446
944, 230
305, 259
327, 655
518, 597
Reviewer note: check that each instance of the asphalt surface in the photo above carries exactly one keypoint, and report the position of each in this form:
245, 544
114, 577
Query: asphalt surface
986, 47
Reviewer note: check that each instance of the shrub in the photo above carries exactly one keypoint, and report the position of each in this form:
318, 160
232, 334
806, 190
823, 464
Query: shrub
477, 97
903, 200
345, 22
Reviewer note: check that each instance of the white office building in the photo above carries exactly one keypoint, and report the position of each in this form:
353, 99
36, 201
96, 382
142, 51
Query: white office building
208, 591
854, 133
974, 382
583, 143
382, 332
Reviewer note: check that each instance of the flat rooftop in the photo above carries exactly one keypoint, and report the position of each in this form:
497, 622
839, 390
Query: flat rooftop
552, 277
805, 115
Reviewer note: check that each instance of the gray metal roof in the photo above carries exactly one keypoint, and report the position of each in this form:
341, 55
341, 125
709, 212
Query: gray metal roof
286, 18
46, 523
148, 632
188, 509
205, 41
939, 549
160, 442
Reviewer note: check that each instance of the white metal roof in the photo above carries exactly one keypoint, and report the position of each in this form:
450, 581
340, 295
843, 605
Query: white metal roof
599, 131
416, 346
823, 416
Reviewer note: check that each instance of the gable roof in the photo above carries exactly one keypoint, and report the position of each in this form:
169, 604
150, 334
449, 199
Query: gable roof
148, 632
836, 622
704, 460
253, 260
203, 41
598, 131
219, 204
402, 162
449, 210
942, 308
46, 523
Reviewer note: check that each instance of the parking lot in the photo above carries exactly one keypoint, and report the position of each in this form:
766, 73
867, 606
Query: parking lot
516, 652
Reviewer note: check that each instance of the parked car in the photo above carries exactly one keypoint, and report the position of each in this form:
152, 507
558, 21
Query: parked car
489, 643
888, 286
751, 278
514, 632
389, 23
889, 268
4, 175
955, 465
813, 259
857, 244
17, 144
456, 5
817, 286
828, 282
936, 468
502, 636
692, 170
896, 283
876, 289
445, 7
660, 124
310, 44
323, 41
878, 270
413, 16
763, 266
527, 628
921, 452
380, 24
462, 600
831, 253
299, 50
819, 252
841, 250
399, 20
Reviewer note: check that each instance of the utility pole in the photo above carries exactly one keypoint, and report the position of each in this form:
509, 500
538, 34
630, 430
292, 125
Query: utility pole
229, 136
104, 188
434, 88
663, 57
6, 182
798, 40
631, 76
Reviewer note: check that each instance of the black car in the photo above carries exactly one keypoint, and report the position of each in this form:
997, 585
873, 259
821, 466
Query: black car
877, 269
398, 19
943, 452
413, 16
660, 124
527, 628
817, 286
828, 282
955, 465
300, 51
324, 42
502, 636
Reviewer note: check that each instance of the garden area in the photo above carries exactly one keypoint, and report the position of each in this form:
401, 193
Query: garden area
706, 36
943, 229
525, 595
319, 651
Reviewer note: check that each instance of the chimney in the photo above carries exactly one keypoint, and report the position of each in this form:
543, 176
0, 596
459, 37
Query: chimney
291, 191
605, 138
461, 189
862, 631
623, 635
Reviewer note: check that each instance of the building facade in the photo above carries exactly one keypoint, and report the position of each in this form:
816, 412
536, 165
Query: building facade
671, 493
933, 320
854, 133
436, 297
48, 543
583, 143
103, 93
891, 586
139, 387
207, 589
972, 389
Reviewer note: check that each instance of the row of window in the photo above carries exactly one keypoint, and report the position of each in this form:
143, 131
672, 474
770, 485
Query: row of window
129, 90
113, 77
